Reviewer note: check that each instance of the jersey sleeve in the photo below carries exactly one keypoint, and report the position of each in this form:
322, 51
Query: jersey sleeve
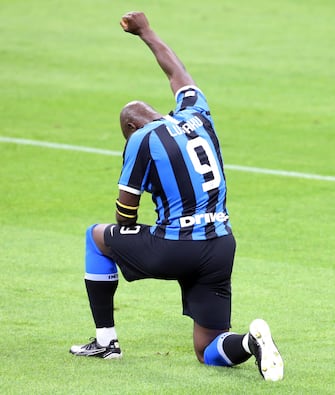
136, 164
190, 97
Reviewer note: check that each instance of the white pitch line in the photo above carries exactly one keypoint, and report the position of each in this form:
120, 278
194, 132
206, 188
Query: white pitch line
283, 173
47, 144
67, 147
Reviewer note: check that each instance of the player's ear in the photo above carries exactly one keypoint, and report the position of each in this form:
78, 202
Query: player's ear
131, 127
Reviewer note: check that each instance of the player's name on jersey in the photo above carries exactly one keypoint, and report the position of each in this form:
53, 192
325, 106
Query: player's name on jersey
205, 218
190, 126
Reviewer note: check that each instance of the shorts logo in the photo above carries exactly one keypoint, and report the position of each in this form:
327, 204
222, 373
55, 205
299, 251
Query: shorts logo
205, 218
112, 230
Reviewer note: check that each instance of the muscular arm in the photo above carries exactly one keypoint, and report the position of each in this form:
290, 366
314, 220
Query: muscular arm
123, 215
137, 24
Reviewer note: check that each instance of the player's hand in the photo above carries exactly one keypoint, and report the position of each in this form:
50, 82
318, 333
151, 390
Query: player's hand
134, 22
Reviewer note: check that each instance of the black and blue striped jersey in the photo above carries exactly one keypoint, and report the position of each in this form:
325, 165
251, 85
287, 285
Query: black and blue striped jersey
178, 160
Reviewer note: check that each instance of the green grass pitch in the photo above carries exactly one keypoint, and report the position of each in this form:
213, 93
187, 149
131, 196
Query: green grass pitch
66, 69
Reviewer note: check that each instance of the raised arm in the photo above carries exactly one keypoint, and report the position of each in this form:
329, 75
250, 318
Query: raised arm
136, 23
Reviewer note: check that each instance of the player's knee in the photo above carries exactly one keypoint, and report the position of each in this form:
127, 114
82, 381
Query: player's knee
199, 352
200, 356
96, 262
90, 242
95, 238
89, 231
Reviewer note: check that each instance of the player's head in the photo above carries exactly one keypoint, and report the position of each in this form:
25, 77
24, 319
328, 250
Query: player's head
135, 115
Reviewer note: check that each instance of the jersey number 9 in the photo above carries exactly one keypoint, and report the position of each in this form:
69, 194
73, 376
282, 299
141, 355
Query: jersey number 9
204, 162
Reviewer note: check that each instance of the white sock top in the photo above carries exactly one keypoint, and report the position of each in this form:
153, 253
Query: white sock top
105, 335
245, 343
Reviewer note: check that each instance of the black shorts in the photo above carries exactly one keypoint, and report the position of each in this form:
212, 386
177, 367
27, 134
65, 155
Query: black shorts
202, 268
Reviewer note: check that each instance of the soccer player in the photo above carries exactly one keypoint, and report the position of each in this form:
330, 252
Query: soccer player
177, 159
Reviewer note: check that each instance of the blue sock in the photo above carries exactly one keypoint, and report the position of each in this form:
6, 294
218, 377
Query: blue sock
97, 266
101, 280
214, 353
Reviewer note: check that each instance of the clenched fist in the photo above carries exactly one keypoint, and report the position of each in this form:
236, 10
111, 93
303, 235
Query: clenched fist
134, 22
